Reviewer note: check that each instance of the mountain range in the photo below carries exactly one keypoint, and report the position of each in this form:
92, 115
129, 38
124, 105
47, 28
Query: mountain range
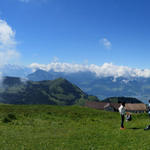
100, 86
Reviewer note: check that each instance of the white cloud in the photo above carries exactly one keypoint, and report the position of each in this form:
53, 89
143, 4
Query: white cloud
7, 43
105, 70
106, 43
7, 35
60, 67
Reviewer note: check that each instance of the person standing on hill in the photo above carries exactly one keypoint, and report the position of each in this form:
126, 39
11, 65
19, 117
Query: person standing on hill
122, 111
148, 108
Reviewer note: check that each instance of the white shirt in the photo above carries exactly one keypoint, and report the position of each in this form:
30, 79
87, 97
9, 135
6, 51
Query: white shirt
122, 110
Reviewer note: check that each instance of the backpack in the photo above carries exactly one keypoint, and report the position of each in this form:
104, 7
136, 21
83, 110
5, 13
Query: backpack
128, 118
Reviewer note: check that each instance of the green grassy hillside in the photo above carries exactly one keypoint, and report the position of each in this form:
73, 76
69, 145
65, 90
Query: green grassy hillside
45, 127
53, 92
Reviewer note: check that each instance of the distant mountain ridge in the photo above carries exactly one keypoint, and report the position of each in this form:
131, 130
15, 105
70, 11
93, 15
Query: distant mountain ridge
121, 100
102, 87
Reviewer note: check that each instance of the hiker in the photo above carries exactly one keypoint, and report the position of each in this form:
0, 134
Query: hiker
148, 127
149, 108
122, 111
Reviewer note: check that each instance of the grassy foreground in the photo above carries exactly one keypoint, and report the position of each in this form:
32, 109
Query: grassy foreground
43, 127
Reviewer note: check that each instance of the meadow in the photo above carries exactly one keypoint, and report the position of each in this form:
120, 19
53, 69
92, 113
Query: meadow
45, 127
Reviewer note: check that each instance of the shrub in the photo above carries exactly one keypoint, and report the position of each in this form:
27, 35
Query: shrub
6, 120
9, 118
12, 116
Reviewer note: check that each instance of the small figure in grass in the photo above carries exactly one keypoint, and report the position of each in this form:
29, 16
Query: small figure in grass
122, 111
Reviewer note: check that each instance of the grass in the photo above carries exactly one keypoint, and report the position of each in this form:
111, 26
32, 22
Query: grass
44, 127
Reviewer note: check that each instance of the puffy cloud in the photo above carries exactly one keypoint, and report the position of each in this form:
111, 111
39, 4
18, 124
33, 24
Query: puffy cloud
7, 43
106, 43
60, 67
6, 35
105, 70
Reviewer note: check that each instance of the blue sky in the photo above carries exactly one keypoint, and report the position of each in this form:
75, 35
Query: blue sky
78, 31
